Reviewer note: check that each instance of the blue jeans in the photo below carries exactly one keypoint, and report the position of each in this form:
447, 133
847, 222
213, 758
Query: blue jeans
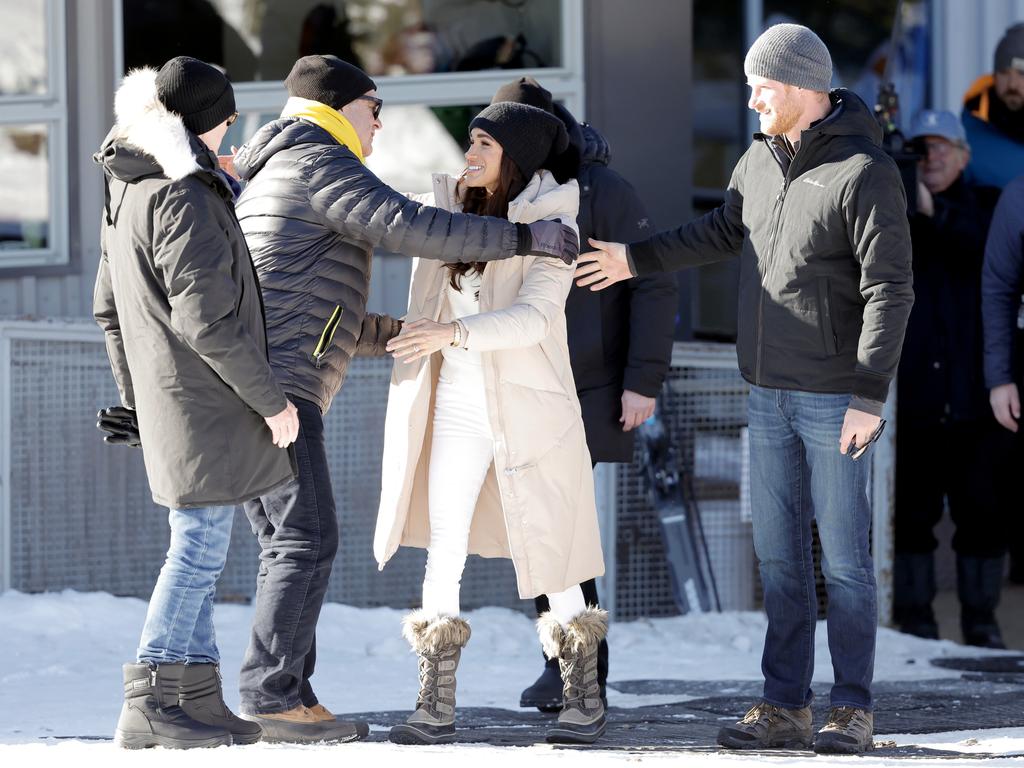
179, 622
796, 474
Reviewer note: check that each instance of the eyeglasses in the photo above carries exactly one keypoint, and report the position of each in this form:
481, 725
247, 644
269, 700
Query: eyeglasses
378, 104
232, 119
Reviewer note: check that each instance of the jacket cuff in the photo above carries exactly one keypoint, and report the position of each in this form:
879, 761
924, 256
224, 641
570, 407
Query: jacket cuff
642, 382
874, 407
642, 259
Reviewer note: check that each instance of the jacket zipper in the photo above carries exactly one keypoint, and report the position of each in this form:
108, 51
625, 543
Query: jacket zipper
780, 198
328, 335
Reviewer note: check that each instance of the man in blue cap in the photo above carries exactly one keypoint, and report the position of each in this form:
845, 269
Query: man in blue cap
943, 400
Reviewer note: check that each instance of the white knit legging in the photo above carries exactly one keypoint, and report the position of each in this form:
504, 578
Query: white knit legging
461, 453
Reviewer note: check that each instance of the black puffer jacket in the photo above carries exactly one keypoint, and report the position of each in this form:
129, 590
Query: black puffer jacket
312, 214
619, 338
824, 246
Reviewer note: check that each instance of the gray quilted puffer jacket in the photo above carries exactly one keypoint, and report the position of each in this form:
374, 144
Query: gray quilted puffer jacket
312, 214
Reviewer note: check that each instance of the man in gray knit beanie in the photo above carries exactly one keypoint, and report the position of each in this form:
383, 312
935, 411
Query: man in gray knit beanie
816, 214
791, 54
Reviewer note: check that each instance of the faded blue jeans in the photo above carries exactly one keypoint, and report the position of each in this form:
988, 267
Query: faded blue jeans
179, 622
796, 474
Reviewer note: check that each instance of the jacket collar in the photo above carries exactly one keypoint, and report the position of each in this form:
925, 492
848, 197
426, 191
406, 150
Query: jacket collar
145, 124
543, 197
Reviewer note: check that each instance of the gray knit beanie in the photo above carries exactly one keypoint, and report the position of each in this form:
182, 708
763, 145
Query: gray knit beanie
791, 54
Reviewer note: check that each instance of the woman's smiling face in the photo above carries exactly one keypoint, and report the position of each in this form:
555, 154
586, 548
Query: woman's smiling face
483, 161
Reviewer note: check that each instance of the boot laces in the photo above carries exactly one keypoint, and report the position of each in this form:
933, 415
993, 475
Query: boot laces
430, 675
761, 711
841, 717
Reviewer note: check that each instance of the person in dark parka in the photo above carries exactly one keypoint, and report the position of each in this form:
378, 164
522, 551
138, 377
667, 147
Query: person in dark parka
620, 340
177, 297
312, 214
943, 400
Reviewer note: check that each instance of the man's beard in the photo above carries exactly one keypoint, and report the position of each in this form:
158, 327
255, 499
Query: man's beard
783, 119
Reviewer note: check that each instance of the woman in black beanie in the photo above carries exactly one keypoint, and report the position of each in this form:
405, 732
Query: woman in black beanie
484, 447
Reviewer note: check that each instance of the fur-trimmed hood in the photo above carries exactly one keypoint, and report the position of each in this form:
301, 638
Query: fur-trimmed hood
144, 124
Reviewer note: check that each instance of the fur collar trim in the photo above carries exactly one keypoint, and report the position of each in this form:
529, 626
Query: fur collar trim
146, 124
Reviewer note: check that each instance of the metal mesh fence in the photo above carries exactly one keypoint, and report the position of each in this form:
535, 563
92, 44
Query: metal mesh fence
82, 516
704, 406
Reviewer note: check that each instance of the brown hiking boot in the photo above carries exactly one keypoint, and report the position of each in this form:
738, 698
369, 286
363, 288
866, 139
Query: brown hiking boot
300, 725
767, 726
438, 641
849, 731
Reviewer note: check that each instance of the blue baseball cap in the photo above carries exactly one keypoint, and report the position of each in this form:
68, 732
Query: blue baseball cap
938, 122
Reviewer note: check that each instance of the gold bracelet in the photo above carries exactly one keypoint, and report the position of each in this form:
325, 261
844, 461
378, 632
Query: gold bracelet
456, 334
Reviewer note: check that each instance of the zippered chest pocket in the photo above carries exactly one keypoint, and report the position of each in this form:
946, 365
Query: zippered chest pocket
327, 335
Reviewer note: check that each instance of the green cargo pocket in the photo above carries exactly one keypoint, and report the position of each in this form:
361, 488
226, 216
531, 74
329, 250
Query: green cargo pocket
327, 336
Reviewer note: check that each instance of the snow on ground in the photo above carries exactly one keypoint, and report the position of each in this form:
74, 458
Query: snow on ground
63, 654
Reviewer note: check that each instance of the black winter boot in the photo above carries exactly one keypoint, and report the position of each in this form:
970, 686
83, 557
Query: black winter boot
546, 692
913, 593
201, 697
151, 716
979, 581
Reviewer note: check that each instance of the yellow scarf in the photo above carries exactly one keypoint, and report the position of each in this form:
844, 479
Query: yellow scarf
328, 118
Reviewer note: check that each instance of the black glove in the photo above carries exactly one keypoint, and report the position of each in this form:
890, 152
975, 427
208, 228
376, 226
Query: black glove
548, 238
121, 425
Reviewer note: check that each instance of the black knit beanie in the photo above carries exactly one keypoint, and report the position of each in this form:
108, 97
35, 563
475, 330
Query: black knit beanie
327, 79
528, 135
197, 91
1010, 51
526, 90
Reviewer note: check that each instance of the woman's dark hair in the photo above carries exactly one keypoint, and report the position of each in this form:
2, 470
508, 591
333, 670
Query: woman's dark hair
479, 202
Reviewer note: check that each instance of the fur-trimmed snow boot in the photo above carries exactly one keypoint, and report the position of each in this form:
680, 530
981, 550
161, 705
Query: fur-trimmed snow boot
438, 641
582, 720
151, 716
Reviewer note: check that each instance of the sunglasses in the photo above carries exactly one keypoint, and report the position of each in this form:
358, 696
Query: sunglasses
232, 119
378, 104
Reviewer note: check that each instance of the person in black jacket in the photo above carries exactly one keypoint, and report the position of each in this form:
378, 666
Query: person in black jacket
177, 298
312, 214
948, 445
620, 340
816, 212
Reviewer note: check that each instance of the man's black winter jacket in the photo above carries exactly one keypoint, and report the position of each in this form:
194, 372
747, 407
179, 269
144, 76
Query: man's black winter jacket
825, 260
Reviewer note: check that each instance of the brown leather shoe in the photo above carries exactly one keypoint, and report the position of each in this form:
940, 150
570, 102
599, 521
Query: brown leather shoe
849, 731
321, 712
303, 726
300, 714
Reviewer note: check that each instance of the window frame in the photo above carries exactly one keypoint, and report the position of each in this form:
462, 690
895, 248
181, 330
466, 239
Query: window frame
49, 109
435, 89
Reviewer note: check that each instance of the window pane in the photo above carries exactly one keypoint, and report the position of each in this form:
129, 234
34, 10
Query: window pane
25, 193
23, 68
260, 39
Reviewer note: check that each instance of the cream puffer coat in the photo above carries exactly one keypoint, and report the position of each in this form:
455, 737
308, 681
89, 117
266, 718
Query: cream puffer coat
537, 503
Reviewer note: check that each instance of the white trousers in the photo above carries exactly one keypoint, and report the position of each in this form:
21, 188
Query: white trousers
461, 454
